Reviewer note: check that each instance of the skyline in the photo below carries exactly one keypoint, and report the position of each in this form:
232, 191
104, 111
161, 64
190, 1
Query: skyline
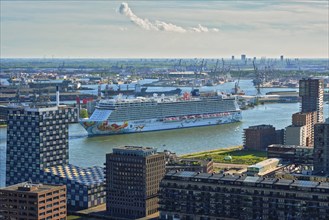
165, 29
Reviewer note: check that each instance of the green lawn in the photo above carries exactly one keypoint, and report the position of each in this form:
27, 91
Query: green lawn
75, 217
238, 154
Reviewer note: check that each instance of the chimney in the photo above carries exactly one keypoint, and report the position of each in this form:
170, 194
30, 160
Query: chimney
57, 96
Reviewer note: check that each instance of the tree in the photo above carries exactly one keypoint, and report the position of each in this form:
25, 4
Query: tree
84, 113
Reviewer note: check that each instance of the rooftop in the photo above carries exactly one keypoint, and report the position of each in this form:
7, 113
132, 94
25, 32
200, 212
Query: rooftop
41, 109
135, 150
231, 179
260, 127
288, 146
266, 162
87, 176
30, 187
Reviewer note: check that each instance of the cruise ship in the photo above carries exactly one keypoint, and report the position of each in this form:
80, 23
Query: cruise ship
117, 116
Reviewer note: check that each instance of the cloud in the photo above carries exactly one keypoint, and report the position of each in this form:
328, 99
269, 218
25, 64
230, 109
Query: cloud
145, 24
201, 28
163, 26
123, 28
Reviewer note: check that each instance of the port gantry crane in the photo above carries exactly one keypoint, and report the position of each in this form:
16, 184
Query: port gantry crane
200, 69
226, 71
237, 90
258, 79
216, 67
197, 71
61, 67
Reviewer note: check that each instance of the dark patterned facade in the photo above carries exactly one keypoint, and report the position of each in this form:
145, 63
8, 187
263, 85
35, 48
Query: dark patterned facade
36, 139
37, 150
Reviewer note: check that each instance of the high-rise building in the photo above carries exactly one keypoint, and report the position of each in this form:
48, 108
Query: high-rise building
301, 132
296, 135
4, 110
311, 91
37, 138
33, 201
133, 175
321, 148
190, 195
38, 150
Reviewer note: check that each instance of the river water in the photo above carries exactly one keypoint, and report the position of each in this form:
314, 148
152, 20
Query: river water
90, 151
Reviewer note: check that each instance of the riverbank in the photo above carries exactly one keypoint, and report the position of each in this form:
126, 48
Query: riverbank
231, 155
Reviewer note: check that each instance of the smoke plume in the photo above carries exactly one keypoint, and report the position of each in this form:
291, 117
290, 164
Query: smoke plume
145, 24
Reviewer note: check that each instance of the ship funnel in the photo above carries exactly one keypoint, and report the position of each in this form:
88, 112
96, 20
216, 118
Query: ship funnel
57, 96
138, 88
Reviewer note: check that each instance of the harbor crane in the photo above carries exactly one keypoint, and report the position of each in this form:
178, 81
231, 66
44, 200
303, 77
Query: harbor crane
216, 66
61, 67
226, 71
237, 90
258, 80
200, 69
223, 66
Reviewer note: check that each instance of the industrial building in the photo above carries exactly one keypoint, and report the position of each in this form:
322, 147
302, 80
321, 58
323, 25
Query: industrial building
133, 175
33, 201
190, 195
37, 150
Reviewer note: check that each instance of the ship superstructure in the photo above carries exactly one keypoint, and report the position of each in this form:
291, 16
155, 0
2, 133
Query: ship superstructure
140, 114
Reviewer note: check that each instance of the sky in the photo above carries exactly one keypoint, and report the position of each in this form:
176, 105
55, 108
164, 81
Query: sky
164, 29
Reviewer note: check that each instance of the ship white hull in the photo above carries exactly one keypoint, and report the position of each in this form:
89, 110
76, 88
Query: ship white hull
109, 128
